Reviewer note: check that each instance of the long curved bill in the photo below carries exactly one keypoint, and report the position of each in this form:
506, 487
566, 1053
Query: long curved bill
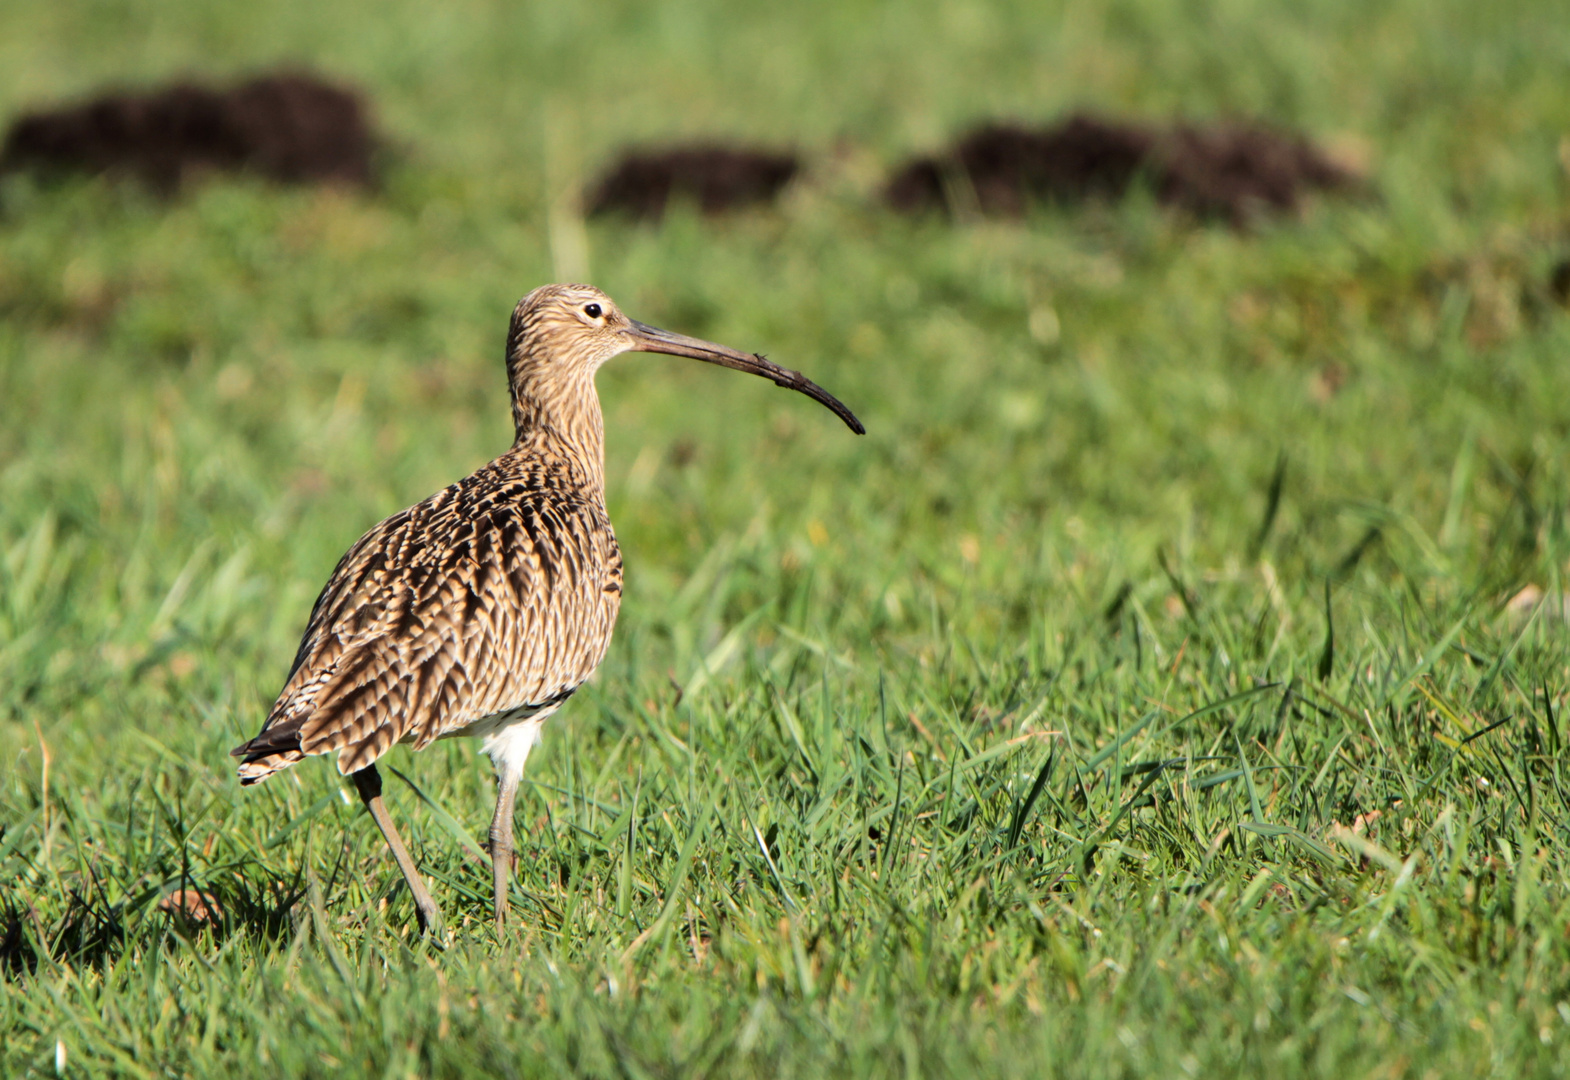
646, 338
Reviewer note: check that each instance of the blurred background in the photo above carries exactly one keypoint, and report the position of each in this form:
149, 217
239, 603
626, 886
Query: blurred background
213, 368
1186, 400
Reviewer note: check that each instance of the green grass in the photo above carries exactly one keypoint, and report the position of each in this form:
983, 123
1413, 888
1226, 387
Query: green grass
1011, 739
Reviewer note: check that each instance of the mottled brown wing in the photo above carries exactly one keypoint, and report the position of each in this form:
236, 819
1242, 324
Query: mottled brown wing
479, 600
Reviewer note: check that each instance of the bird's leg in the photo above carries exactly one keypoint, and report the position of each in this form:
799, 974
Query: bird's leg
501, 840
368, 782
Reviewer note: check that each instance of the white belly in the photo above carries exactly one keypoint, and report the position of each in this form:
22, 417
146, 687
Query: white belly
509, 736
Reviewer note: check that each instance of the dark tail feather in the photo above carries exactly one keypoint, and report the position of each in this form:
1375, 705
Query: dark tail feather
276, 748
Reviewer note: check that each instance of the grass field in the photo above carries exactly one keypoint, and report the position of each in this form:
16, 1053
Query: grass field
1031, 734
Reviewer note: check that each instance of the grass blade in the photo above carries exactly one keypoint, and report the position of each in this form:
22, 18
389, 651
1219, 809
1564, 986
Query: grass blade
1327, 654
447, 821
1023, 810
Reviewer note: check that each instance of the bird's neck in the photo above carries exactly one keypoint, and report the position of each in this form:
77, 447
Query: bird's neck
562, 416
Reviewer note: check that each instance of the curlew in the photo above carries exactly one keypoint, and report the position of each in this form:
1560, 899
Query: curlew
482, 609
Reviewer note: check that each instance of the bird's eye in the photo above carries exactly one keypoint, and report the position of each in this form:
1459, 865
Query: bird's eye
592, 311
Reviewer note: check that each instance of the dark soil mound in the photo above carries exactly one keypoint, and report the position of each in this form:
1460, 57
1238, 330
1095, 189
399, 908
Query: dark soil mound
288, 127
1231, 171
1559, 281
1002, 168
716, 178
1240, 171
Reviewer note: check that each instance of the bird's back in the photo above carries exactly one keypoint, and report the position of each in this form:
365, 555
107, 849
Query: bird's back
496, 594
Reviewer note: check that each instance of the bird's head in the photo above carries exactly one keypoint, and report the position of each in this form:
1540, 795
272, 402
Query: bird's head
561, 334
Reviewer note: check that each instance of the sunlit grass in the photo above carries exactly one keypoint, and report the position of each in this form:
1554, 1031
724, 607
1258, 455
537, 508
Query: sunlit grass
1029, 733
